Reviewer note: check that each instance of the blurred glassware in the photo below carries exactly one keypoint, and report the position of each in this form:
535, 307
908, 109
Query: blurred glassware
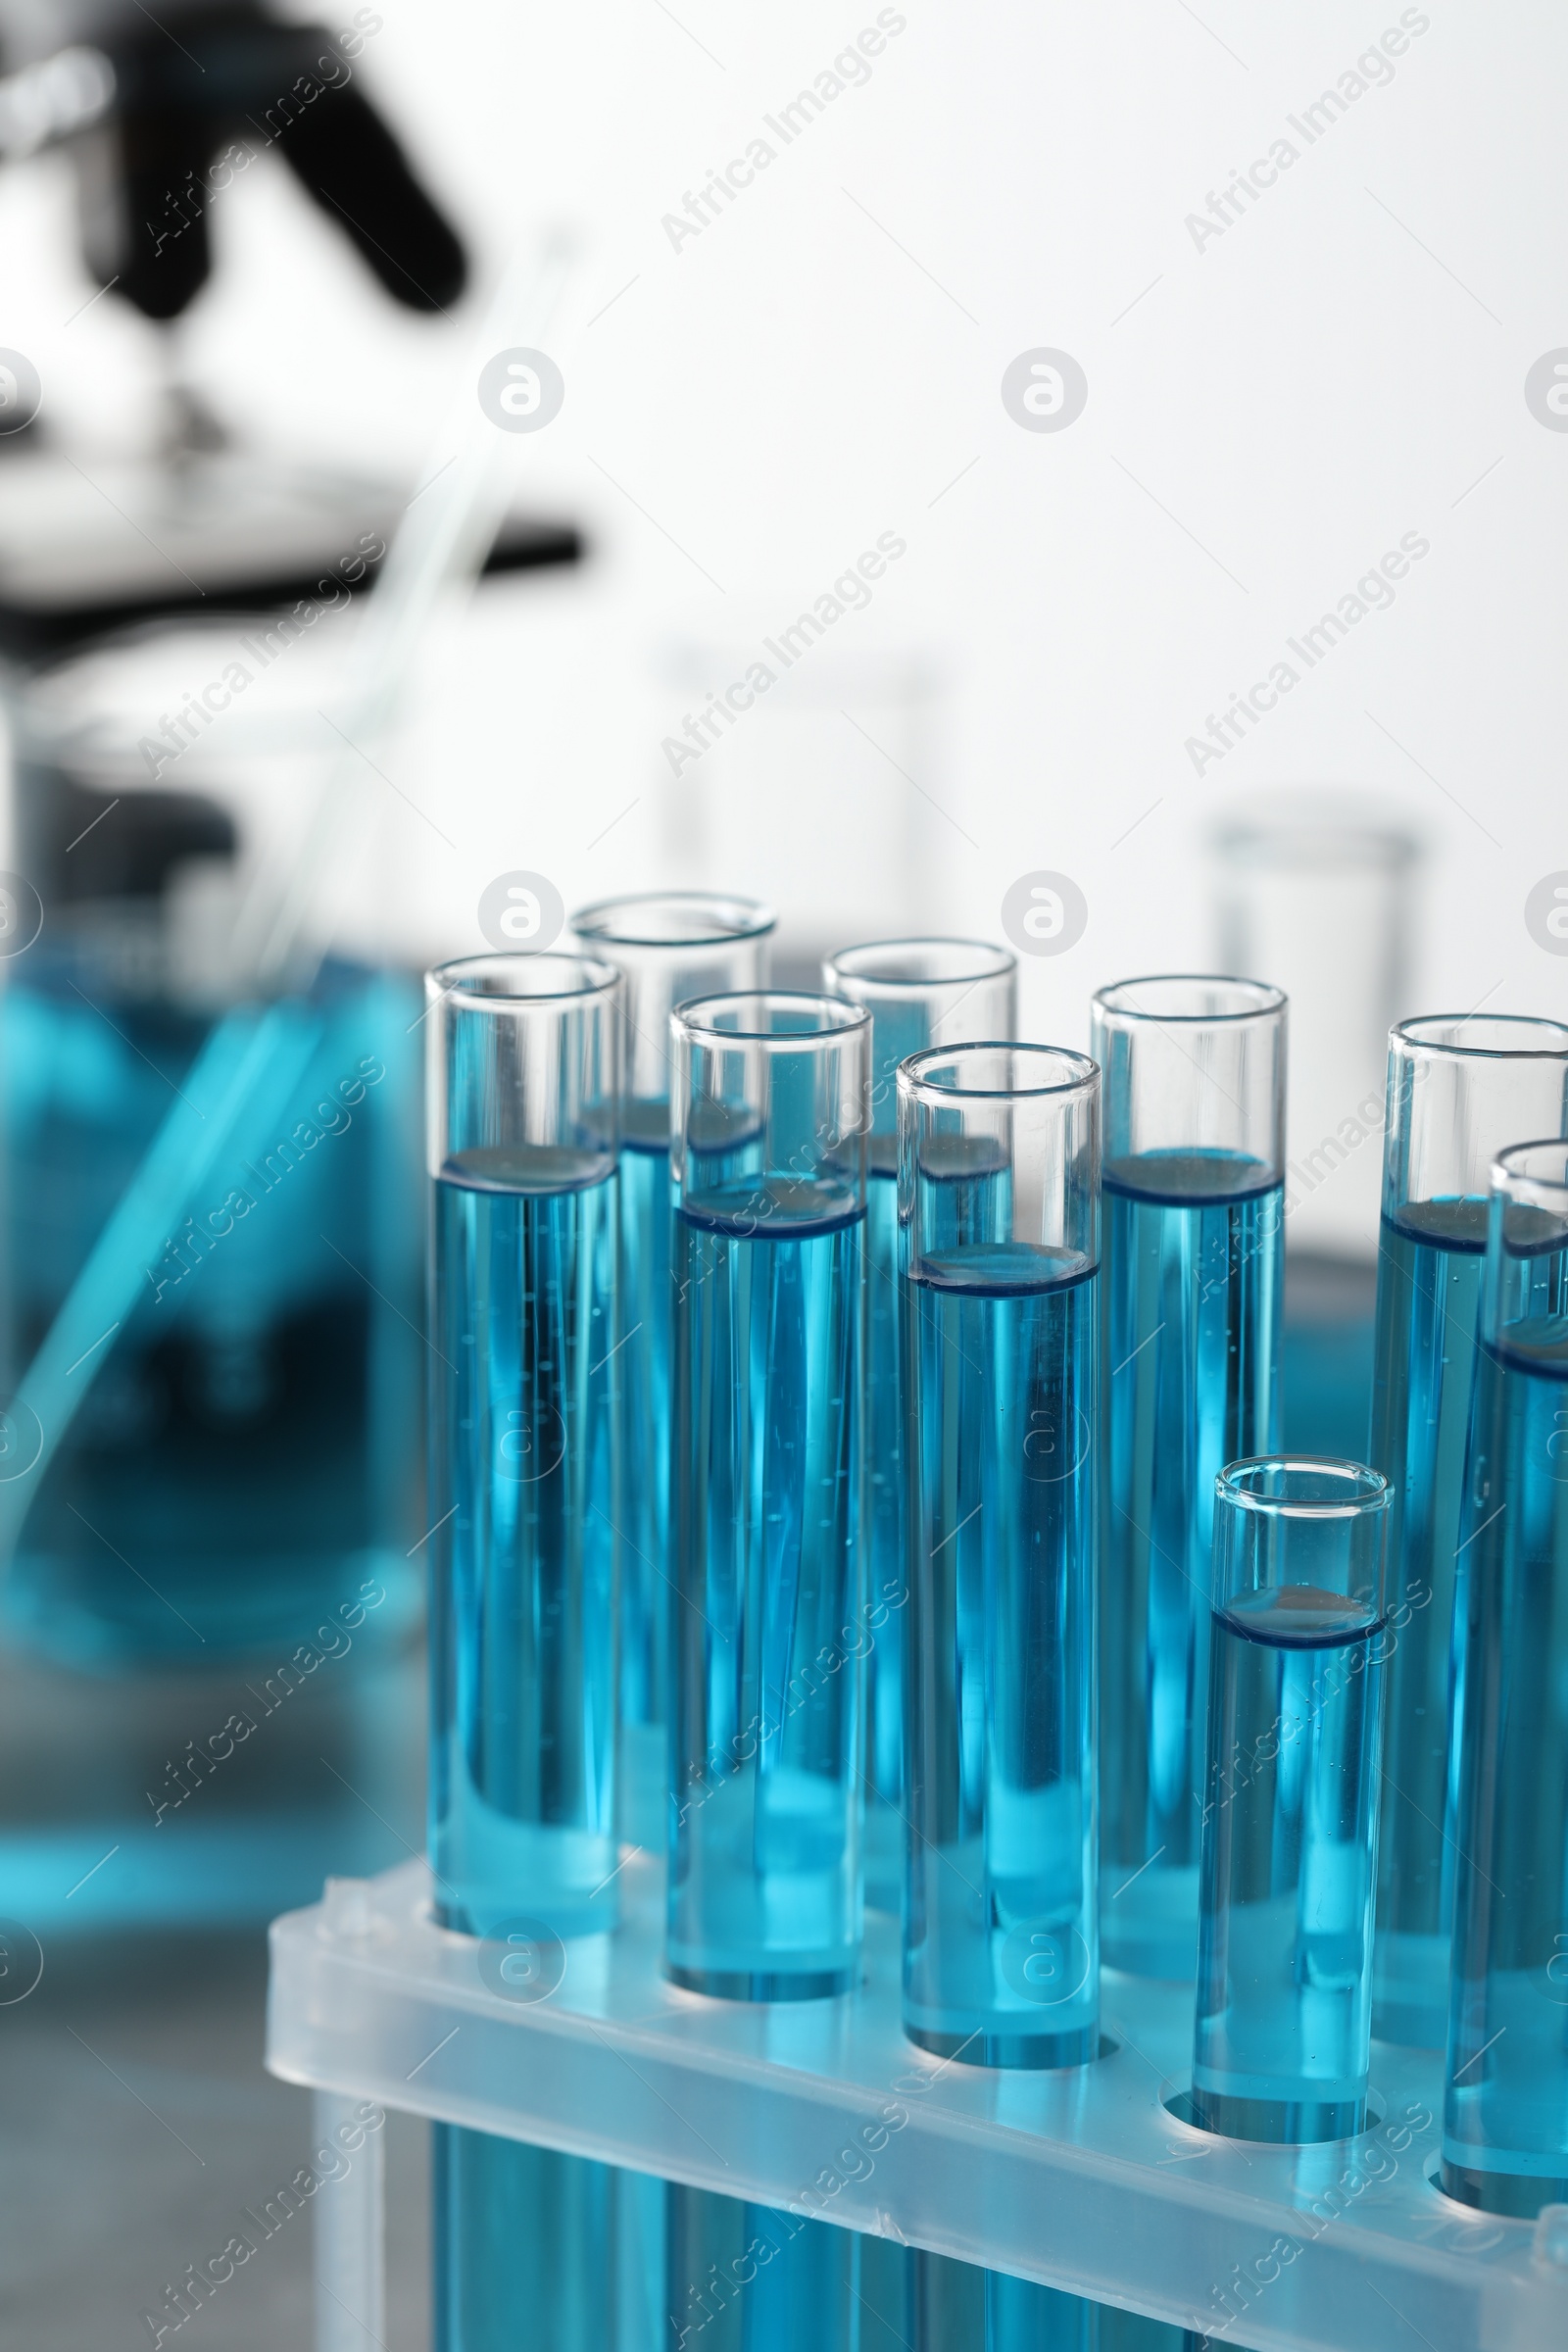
248, 1454
99, 539
1317, 898
209, 1797
785, 741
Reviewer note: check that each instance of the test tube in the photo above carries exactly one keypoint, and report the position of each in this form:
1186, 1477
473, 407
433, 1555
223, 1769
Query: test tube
754, 2279
767, 1168
919, 992
1192, 1320
522, 1096
666, 945
1281, 2037
1458, 1088
1505, 2108
998, 1202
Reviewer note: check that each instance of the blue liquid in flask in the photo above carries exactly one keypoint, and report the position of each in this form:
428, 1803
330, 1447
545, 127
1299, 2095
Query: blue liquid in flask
1283, 1981
764, 1869
1193, 1280
240, 1463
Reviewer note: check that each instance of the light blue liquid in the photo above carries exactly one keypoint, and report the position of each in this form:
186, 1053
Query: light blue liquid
1021, 2316
1505, 2119
1284, 1982
642, 1372
532, 2247
955, 2307
241, 1462
524, 1688
1192, 1311
1000, 1940
522, 1617
766, 1631
748, 2279
887, 1583
1326, 1368
1429, 1292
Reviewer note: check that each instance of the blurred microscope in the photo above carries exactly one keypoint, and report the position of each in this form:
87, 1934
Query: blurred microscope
207, 1632
160, 115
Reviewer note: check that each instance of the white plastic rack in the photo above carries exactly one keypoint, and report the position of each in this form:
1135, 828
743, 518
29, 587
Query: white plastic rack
1082, 2180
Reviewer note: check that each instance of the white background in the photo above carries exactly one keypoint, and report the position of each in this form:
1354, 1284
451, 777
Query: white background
822, 363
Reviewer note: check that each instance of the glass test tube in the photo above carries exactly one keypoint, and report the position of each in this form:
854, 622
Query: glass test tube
919, 992
998, 1198
574, 2245
667, 946
767, 1166
954, 2306
1191, 1329
1505, 2111
1282, 2036
1458, 1088
752, 2279
523, 1100
522, 1092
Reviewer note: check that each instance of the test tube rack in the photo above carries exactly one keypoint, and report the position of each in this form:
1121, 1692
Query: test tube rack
1085, 2179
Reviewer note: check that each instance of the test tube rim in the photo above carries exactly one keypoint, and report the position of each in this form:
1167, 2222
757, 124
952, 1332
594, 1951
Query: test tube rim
1375, 1493
452, 983
1003, 962
589, 924
847, 1019
1269, 1001
1404, 1035
914, 1086
1516, 1183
